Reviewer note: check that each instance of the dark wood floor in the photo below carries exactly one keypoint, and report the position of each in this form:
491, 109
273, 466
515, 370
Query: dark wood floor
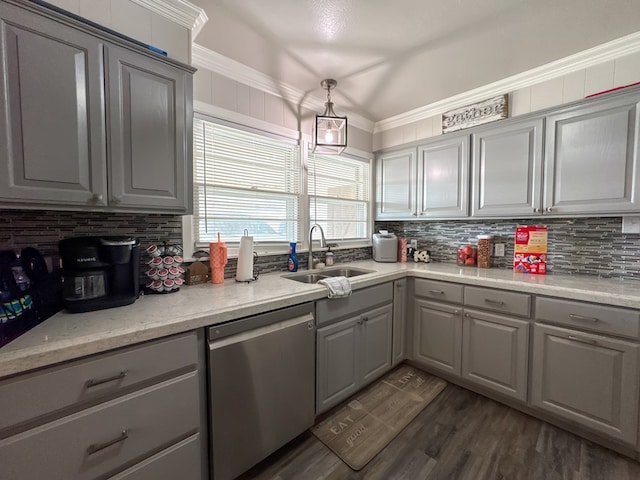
460, 436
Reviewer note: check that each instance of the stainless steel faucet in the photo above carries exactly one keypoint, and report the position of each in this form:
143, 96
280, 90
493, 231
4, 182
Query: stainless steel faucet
323, 243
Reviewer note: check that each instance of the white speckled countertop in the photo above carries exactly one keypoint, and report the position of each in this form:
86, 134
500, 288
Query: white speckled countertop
67, 336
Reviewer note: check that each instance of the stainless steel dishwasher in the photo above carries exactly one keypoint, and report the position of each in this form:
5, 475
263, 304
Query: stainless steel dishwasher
261, 386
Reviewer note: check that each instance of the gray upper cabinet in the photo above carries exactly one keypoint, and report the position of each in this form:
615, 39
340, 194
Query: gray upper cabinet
591, 157
148, 124
86, 123
507, 169
51, 112
443, 178
396, 185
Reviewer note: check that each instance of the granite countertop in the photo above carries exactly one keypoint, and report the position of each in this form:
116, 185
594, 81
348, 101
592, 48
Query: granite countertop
67, 336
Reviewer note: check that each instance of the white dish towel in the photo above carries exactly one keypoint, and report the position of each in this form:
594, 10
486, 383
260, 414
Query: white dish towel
338, 286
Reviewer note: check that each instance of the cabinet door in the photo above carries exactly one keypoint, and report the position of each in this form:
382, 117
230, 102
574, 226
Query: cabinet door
375, 343
495, 350
507, 170
589, 379
337, 367
396, 185
591, 158
438, 336
52, 140
149, 133
399, 320
443, 178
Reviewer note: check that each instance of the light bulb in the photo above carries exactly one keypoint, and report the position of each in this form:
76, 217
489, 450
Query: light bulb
328, 137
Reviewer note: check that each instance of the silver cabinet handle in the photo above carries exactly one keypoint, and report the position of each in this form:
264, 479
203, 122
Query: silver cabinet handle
96, 197
583, 340
466, 314
360, 322
96, 447
415, 214
494, 302
437, 292
365, 319
582, 318
456, 312
549, 209
116, 199
118, 376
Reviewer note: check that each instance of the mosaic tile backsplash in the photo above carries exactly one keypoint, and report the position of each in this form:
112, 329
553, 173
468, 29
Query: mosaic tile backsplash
582, 246
42, 229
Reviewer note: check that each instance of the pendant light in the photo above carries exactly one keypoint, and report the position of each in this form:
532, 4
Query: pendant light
330, 130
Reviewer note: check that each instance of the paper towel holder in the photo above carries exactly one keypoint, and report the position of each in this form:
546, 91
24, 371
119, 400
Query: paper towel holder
254, 271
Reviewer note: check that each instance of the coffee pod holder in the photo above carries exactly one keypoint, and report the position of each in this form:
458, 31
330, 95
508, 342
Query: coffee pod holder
164, 270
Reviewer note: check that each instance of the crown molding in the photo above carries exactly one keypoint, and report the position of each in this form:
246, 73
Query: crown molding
587, 58
202, 57
178, 11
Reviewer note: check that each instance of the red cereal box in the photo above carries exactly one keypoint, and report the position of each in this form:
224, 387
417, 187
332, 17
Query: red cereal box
530, 252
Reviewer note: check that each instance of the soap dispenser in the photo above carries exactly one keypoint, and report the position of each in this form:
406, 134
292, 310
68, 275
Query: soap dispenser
328, 259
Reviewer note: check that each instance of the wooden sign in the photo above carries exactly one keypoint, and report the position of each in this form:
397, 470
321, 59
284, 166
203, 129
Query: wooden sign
197, 273
482, 112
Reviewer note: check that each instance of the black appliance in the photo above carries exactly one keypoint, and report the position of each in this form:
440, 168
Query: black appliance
99, 272
29, 293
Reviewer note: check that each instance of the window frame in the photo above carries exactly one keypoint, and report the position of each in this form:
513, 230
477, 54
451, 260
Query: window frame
304, 143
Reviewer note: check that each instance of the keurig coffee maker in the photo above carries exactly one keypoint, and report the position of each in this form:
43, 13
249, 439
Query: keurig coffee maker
99, 272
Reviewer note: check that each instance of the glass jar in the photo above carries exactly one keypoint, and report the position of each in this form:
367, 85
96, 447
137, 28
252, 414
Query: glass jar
484, 251
467, 255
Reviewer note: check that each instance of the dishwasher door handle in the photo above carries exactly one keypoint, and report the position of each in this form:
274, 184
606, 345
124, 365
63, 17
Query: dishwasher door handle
259, 331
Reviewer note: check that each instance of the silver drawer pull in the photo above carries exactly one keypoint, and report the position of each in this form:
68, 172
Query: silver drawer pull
494, 302
436, 292
583, 340
118, 376
584, 319
96, 447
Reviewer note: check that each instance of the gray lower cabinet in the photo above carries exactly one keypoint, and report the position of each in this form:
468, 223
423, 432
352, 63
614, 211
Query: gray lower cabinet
495, 352
351, 354
589, 379
438, 335
115, 413
591, 157
507, 169
87, 122
399, 320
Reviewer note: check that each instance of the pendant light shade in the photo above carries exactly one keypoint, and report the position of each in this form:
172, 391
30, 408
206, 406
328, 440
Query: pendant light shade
330, 130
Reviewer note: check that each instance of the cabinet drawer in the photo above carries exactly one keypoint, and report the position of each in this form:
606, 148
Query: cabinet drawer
182, 460
102, 439
498, 300
435, 290
32, 396
329, 310
589, 316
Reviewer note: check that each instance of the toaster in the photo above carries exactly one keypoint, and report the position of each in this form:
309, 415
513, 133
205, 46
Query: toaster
385, 247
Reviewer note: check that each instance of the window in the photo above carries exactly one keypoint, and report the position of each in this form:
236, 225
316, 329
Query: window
274, 189
339, 191
244, 181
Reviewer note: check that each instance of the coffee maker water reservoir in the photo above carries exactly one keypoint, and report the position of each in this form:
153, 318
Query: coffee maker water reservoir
99, 272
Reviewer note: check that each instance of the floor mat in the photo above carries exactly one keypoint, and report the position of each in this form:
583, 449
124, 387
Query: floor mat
360, 428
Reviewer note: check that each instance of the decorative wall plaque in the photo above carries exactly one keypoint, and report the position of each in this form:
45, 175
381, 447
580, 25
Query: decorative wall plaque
482, 112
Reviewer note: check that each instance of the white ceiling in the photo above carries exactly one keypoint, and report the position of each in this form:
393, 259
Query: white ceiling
390, 57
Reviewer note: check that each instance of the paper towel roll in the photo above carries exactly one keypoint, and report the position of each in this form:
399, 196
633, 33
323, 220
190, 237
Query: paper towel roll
244, 272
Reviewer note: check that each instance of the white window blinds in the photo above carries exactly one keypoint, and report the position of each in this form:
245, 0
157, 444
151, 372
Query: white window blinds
244, 181
339, 193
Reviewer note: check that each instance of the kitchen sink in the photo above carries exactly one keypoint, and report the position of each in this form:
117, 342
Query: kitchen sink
345, 272
305, 277
314, 277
